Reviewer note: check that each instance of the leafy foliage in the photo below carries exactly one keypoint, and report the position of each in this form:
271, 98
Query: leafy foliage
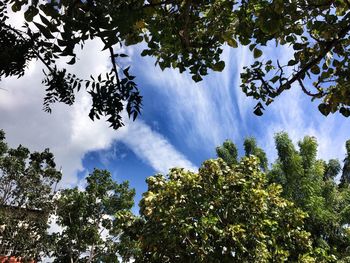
332, 169
230, 211
221, 214
318, 33
228, 152
309, 183
187, 35
345, 177
251, 148
239, 212
26, 190
87, 219
52, 31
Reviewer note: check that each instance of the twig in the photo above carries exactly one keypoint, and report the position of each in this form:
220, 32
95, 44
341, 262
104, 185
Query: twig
313, 62
19, 33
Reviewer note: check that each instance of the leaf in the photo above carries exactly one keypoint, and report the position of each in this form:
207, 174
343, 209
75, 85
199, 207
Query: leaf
146, 52
16, 6
269, 24
257, 53
258, 109
232, 42
345, 111
269, 101
252, 46
197, 78
298, 46
292, 62
44, 30
315, 70
219, 66
274, 79
324, 109
30, 13
72, 61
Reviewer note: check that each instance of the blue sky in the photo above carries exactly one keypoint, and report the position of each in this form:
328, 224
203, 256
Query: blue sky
181, 123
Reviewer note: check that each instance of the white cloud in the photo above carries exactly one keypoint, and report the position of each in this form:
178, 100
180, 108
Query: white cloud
203, 113
154, 148
68, 131
294, 113
240, 57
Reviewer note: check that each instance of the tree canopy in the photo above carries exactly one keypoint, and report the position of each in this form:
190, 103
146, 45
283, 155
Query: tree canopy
232, 210
310, 184
87, 218
27, 186
220, 214
187, 35
238, 211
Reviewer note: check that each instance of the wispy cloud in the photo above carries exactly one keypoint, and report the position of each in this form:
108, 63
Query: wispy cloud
68, 131
203, 114
294, 113
200, 115
207, 113
153, 148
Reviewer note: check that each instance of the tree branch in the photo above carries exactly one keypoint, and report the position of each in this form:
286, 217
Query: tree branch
20, 34
114, 64
306, 91
316, 60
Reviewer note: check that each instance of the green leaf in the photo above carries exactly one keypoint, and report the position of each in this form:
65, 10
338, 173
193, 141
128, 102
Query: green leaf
345, 111
324, 109
232, 42
315, 70
269, 24
219, 66
146, 52
292, 62
257, 53
274, 79
252, 46
298, 46
16, 6
197, 78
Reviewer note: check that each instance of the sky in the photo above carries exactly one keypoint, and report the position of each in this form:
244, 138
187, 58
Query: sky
181, 122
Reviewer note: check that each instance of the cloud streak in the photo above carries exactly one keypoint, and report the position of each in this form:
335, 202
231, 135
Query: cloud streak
294, 113
203, 114
153, 148
68, 131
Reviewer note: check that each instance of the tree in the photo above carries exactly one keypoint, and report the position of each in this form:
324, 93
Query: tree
345, 177
89, 230
220, 214
309, 183
251, 148
332, 169
27, 182
318, 33
228, 152
185, 35
52, 31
